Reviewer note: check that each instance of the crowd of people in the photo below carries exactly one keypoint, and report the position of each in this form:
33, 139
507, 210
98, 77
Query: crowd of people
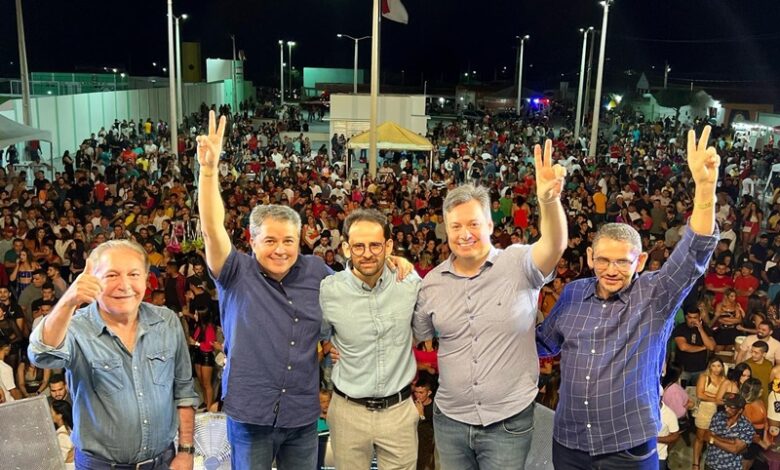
198, 226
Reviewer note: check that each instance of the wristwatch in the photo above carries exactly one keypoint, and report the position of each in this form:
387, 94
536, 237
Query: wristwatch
712, 441
188, 448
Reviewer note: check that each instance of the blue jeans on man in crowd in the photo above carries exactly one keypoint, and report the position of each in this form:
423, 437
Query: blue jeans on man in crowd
500, 446
642, 457
256, 447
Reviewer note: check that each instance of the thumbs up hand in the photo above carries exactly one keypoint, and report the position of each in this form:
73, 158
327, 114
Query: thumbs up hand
85, 289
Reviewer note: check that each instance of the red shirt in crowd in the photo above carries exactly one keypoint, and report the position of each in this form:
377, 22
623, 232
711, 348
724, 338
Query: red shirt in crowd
745, 283
717, 281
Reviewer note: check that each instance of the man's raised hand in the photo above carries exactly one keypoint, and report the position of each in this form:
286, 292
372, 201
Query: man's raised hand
210, 146
85, 289
703, 161
549, 177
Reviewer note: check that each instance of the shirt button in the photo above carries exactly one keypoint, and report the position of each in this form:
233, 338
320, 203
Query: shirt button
105, 367
284, 390
586, 402
140, 394
588, 426
603, 305
475, 383
479, 403
144, 448
145, 421
292, 343
593, 351
587, 377
471, 318
289, 302
295, 320
289, 367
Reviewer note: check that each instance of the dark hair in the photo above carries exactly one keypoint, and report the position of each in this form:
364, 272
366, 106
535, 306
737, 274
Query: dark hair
47, 285
761, 345
693, 310
57, 378
367, 215
767, 323
735, 372
64, 409
673, 373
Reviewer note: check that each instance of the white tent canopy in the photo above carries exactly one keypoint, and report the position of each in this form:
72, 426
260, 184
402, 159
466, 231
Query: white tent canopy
12, 132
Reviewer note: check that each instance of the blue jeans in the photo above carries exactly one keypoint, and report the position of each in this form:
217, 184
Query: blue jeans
642, 457
500, 446
86, 461
256, 447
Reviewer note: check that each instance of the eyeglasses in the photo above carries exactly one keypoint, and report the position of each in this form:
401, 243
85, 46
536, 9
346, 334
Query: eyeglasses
622, 265
375, 248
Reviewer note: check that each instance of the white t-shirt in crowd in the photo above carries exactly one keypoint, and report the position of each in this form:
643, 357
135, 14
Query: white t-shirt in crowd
669, 425
7, 381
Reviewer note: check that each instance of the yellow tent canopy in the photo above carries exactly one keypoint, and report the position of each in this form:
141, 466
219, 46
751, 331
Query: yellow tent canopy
391, 136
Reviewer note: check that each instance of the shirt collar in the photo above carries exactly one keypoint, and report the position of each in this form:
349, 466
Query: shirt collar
147, 317
489, 261
381, 284
590, 290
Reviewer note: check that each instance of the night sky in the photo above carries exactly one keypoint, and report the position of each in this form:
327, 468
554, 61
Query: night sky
732, 43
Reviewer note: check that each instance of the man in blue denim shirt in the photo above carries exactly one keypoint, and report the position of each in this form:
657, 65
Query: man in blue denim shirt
127, 362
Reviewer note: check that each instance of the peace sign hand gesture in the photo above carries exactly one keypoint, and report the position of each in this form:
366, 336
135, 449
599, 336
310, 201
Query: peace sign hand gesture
703, 161
549, 177
210, 146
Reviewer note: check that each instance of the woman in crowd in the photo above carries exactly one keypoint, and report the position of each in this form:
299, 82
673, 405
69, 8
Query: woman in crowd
21, 276
203, 338
31, 380
728, 314
62, 416
706, 391
755, 412
674, 396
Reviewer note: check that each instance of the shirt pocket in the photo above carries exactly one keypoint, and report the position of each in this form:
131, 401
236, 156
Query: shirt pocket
107, 376
161, 364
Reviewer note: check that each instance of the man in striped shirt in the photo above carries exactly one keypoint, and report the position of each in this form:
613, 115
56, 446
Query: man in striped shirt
612, 330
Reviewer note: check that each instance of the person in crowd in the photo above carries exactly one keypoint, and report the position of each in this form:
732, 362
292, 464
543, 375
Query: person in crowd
707, 393
203, 337
759, 365
478, 301
694, 343
423, 401
372, 410
610, 376
62, 416
128, 363
58, 388
764, 333
728, 315
8, 390
755, 412
674, 396
729, 435
667, 436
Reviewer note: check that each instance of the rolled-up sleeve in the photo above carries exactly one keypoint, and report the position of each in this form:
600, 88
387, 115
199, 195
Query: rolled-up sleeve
49, 357
184, 390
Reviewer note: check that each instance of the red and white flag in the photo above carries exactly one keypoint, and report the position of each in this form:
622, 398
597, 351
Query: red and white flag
394, 10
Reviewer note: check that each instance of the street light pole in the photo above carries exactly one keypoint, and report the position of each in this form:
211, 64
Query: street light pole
281, 72
172, 84
290, 45
178, 67
667, 69
578, 120
355, 66
520, 72
23, 71
594, 128
589, 75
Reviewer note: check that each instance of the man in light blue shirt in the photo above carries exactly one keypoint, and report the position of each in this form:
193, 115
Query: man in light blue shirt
369, 315
127, 363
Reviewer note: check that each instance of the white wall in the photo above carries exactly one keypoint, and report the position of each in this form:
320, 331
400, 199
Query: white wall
349, 114
72, 118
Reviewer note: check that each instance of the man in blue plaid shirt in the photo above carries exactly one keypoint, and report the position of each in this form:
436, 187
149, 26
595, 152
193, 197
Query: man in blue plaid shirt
612, 330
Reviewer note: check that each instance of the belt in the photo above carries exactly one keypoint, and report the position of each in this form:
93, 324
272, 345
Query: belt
97, 463
376, 404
